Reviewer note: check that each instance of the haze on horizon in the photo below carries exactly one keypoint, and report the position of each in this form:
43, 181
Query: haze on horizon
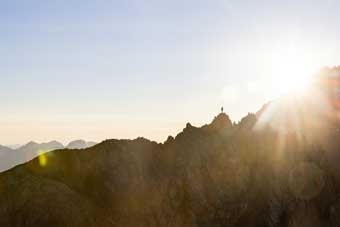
120, 69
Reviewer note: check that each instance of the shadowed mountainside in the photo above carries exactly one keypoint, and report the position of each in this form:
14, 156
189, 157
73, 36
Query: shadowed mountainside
279, 167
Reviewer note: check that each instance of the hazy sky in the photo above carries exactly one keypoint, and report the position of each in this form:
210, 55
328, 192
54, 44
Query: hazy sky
102, 69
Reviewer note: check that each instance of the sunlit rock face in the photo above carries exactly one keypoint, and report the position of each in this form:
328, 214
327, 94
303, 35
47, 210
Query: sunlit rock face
220, 174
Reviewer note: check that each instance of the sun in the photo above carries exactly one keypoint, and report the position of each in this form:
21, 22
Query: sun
291, 71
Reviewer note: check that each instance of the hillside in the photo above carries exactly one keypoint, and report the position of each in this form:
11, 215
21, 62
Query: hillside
216, 175
279, 167
12, 157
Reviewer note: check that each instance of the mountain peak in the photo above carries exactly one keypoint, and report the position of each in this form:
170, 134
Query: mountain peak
31, 143
76, 144
5, 149
80, 144
221, 121
54, 142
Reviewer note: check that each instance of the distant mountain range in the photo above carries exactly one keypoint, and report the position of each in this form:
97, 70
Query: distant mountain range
80, 144
11, 157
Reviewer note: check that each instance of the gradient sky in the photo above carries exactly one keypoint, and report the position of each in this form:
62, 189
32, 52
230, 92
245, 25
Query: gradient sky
93, 70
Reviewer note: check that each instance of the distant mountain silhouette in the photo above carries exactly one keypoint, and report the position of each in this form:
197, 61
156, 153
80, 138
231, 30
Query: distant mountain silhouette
13, 146
43, 147
80, 144
4, 149
12, 157
278, 167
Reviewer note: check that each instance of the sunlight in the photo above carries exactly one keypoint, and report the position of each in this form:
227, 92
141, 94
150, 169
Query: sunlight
290, 70
301, 116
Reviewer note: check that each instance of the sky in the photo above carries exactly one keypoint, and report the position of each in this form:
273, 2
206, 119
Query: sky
94, 70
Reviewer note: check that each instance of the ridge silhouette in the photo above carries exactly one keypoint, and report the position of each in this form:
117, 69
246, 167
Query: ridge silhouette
265, 170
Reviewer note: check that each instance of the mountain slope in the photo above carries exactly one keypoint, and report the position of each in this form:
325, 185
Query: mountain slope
12, 157
215, 175
279, 167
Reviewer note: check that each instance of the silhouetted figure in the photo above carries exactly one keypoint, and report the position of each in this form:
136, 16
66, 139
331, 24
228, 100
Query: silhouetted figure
222, 109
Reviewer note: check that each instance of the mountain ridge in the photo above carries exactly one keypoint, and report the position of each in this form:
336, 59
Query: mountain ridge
278, 167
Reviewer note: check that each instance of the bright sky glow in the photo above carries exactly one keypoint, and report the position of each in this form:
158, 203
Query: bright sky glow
292, 68
120, 69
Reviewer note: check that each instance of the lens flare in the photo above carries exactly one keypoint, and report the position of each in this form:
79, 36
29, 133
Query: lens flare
42, 158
